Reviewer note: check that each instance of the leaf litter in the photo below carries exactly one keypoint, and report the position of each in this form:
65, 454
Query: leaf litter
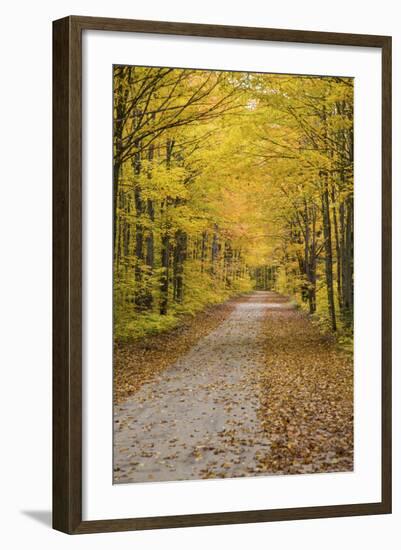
250, 388
307, 398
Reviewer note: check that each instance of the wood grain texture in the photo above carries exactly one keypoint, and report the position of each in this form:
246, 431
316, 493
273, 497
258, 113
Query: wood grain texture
386, 275
67, 274
67, 279
229, 518
224, 31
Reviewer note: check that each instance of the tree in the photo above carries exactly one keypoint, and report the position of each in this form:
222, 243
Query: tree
224, 182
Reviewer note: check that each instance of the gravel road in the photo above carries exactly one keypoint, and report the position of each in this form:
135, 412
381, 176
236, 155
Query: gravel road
198, 419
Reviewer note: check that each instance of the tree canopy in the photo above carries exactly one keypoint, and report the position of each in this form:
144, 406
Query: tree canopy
225, 182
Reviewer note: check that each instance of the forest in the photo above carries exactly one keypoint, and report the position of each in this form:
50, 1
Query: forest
226, 183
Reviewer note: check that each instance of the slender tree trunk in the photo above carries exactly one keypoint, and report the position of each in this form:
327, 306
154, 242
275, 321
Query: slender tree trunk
139, 257
140, 299
338, 258
164, 277
149, 239
117, 248
348, 264
309, 259
312, 290
227, 264
119, 110
150, 252
116, 179
127, 230
327, 231
328, 252
215, 250
180, 252
165, 242
203, 250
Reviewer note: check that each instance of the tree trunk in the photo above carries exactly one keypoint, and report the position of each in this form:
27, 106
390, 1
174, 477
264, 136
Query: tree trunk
312, 269
149, 240
180, 252
116, 178
165, 242
119, 106
328, 252
215, 250
127, 229
203, 250
348, 265
338, 250
164, 277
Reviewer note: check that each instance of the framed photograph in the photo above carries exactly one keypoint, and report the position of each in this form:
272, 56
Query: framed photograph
222, 275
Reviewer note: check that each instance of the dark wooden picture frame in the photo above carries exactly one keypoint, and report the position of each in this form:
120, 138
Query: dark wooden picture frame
67, 274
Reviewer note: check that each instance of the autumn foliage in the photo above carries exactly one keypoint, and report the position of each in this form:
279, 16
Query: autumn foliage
225, 182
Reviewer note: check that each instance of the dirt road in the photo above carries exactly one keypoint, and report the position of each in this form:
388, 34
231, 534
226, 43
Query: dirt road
199, 418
